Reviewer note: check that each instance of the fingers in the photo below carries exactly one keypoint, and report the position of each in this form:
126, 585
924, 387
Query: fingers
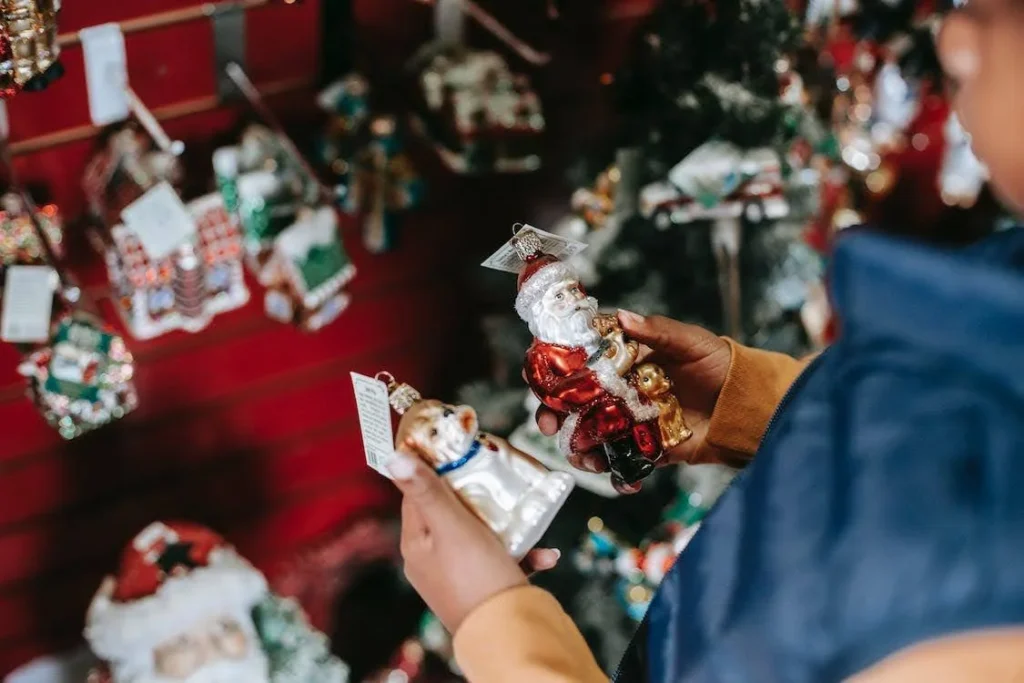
541, 560
548, 421
422, 489
624, 488
671, 338
588, 462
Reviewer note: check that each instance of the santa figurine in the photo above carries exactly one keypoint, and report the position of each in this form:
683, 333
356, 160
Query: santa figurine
579, 366
186, 607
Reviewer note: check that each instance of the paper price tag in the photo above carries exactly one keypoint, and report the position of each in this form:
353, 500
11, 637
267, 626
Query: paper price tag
374, 421
28, 302
506, 258
5, 121
106, 73
161, 221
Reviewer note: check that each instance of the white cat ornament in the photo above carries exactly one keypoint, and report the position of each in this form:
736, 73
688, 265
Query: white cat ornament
509, 491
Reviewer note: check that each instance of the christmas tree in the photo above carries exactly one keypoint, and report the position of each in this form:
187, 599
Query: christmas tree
704, 70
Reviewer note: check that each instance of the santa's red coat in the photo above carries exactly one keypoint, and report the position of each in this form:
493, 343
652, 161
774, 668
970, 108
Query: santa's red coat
560, 378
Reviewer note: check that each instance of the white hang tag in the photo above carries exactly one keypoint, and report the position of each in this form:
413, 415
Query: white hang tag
449, 22
374, 421
160, 220
106, 73
5, 121
506, 259
28, 303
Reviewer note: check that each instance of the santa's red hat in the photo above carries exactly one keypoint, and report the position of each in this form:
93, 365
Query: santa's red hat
172, 576
539, 272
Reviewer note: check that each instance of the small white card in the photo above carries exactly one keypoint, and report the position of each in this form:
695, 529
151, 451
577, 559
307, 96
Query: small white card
106, 73
160, 220
5, 121
449, 22
374, 421
28, 302
506, 258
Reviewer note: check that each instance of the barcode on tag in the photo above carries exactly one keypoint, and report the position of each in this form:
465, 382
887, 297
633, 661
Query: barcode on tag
160, 220
28, 302
506, 258
374, 420
106, 73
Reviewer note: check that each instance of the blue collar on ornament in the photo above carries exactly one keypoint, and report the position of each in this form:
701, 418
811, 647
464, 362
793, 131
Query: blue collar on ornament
449, 467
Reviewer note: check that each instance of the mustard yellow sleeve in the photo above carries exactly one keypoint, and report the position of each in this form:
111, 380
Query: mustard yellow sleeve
521, 635
756, 382
992, 656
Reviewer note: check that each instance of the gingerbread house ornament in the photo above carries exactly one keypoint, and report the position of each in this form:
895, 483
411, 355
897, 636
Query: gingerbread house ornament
188, 285
307, 271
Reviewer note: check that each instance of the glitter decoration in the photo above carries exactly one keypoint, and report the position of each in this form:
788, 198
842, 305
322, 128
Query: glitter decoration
82, 379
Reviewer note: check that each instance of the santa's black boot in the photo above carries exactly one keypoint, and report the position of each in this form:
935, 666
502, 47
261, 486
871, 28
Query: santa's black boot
626, 461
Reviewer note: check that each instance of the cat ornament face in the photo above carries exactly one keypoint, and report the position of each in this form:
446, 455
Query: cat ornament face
510, 492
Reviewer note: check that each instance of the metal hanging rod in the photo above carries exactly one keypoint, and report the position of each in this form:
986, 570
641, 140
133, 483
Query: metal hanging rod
172, 17
499, 31
255, 98
165, 113
69, 292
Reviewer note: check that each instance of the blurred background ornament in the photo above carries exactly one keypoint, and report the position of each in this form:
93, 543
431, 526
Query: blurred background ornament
382, 185
19, 244
83, 378
29, 52
307, 270
480, 116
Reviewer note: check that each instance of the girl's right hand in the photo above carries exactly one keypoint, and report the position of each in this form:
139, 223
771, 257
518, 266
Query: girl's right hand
696, 360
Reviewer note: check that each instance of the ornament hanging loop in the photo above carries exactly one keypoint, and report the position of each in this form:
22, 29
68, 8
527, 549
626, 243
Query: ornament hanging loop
516, 227
386, 377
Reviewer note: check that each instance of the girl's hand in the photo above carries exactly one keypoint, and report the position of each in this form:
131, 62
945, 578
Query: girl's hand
696, 360
452, 560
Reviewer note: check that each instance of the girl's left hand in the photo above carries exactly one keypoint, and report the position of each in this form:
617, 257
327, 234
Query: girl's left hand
452, 560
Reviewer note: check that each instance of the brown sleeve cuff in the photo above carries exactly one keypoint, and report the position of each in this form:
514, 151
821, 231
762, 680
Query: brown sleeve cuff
755, 384
523, 634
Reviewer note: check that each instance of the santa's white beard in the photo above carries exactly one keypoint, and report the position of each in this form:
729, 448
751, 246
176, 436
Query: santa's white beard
254, 668
575, 330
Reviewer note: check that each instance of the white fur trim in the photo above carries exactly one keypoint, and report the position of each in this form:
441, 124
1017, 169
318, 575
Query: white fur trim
119, 631
566, 432
534, 288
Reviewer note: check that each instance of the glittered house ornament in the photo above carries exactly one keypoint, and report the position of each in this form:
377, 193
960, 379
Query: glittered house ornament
189, 286
262, 189
307, 271
123, 169
82, 379
19, 243
480, 115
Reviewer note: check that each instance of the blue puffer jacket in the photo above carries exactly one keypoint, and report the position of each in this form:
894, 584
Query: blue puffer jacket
886, 503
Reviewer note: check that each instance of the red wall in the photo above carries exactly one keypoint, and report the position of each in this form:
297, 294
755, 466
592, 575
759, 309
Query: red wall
248, 426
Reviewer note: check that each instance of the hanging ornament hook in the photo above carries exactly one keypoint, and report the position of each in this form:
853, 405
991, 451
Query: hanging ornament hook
152, 126
516, 227
386, 377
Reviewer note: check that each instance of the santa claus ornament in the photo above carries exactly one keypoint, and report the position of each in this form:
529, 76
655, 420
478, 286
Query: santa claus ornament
185, 606
581, 364
509, 491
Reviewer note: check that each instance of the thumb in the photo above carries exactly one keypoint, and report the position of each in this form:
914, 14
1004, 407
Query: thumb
669, 338
421, 485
